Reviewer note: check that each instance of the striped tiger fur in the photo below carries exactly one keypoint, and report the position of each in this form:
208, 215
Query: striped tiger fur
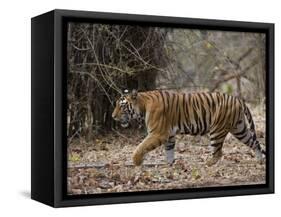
168, 113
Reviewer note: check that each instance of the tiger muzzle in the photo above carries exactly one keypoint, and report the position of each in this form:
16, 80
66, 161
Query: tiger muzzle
124, 120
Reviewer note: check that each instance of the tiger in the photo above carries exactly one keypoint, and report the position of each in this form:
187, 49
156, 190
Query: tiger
168, 113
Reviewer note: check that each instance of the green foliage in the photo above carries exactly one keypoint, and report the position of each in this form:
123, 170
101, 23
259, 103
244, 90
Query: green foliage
227, 88
74, 157
195, 174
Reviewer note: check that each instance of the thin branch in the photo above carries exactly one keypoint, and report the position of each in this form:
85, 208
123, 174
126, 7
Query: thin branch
98, 82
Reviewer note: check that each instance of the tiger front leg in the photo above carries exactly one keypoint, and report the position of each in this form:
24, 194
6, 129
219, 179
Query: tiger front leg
170, 150
148, 144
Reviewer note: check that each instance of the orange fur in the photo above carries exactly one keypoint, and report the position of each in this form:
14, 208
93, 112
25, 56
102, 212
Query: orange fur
168, 113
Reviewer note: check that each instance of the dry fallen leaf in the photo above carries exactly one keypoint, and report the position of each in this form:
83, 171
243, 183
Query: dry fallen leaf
109, 172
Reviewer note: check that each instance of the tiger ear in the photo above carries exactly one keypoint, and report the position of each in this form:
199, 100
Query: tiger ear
134, 94
125, 92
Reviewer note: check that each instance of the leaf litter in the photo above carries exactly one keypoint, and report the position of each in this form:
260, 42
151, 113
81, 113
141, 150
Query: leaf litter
104, 165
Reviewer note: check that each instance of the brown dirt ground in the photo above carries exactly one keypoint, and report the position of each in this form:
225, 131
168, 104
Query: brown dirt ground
104, 165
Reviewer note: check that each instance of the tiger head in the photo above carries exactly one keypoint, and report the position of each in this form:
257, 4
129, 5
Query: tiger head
127, 109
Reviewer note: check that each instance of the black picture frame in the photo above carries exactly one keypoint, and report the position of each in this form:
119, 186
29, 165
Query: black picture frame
48, 146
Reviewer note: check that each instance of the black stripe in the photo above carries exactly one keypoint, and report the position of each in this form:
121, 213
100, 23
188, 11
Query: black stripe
152, 130
168, 100
183, 107
235, 117
157, 96
204, 116
216, 144
179, 111
173, 99
218, 137
191, 129
254, 136
207, 99
185, 122
177, 100
200, 118
242, 131
194, 111
210, 109
172, 108
216, 151
248, 141
212, 102
241, 136
163, 101
150, 96
186, 130
169, 146
171, 137
187, 105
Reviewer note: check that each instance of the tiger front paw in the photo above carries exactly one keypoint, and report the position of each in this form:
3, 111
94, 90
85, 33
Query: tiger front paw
137, 159
214, 159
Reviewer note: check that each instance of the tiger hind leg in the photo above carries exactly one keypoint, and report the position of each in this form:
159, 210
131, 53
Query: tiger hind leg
246, 136
170, 150
217, 140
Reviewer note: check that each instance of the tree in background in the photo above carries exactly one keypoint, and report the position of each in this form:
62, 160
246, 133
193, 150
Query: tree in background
103, 60
231, 62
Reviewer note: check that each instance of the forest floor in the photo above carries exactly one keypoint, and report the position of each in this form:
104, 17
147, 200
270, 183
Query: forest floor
104, 165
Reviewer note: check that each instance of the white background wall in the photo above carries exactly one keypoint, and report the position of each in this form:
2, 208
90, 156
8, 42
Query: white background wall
15, 106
